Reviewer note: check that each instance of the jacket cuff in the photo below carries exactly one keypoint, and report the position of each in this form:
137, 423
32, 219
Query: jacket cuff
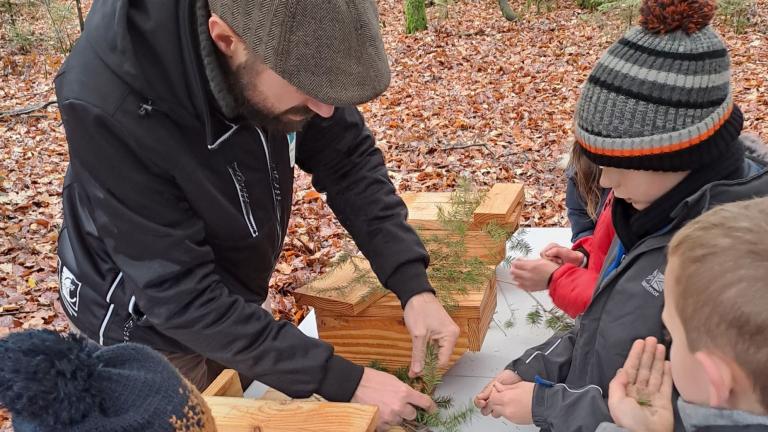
341, 380
539, 407
408, 280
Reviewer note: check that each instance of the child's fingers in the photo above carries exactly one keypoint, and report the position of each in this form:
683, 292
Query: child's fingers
646, 363
666, 382
547, 248
632, 363
617, 389
657, 370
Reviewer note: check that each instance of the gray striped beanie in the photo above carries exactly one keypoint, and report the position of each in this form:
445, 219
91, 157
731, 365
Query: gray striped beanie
660, 98
329, 49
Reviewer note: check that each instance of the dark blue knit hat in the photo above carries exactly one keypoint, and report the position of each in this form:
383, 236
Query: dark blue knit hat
53, 382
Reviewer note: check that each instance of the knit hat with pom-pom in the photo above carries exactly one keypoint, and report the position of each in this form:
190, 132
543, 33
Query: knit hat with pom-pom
660, 98
52, 382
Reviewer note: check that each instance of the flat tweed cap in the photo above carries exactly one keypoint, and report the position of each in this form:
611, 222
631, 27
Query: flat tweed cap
660, 101
329, 49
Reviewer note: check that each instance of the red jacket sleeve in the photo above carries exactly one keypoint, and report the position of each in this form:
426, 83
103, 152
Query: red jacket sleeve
571, 287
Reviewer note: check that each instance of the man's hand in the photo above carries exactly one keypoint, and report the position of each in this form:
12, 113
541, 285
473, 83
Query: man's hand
562, 255
532, 275
640, 396
396, 400
514, 402
505, 377
427, 321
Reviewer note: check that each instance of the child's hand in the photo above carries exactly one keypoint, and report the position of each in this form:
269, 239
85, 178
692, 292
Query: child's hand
513, 402
505, 377
640, 396
532, 275
562, 255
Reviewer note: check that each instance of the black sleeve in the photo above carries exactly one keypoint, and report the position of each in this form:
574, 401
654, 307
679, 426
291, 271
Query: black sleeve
581, 224
550, 360
340, 154
167, 264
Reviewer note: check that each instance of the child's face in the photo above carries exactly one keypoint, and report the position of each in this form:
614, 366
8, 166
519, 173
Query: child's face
639, 188
687, 372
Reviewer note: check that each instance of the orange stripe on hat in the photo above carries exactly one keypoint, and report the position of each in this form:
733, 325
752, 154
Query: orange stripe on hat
659, 150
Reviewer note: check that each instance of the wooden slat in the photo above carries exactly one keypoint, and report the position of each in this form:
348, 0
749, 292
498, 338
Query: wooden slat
274, 395
478, 243
226, 384
320, 295
498, 205
423, 208
363, 340
487, 309
471, 304
249, 415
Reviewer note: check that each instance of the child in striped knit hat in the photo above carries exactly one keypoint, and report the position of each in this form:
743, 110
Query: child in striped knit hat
657, 114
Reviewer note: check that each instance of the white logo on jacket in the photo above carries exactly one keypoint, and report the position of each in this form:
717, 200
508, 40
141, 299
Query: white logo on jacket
70, 290
654, 283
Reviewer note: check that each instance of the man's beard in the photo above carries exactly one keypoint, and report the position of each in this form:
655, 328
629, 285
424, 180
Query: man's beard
255, 112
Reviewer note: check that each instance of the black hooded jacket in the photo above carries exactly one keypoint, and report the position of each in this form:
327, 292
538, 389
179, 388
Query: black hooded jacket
174, 216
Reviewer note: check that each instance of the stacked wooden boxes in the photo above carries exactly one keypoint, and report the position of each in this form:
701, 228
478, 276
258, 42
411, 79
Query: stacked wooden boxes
365, 323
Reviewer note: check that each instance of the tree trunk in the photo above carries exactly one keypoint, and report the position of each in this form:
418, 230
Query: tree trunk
415, 16
80, 15
507, 11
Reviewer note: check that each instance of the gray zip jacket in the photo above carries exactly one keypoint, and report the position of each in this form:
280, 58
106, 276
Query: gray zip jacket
578, 365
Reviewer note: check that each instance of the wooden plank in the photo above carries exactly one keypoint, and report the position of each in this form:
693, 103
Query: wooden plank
322, 293
423, 208
478, 243
362, 340
479, 328
272, 394
499, 204
226, 384
470, 303
379, 333
249, 415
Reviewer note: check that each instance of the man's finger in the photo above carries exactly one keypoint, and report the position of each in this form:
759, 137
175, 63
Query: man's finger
657, 371
632, 363
409, 412
421, 400
417, 355
446, 344
646, 363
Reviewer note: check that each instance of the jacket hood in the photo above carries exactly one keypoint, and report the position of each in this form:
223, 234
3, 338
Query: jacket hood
152, 47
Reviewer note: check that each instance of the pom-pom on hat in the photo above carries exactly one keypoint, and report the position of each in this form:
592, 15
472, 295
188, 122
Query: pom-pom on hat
53, 382
660, 98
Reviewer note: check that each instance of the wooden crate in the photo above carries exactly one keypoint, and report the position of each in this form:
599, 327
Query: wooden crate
503, 205
232, 413
323, 294
379, 332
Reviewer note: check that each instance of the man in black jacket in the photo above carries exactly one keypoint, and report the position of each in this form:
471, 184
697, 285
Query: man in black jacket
184, 121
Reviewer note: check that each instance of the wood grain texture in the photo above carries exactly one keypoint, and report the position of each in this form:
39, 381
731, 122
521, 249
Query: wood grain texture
379, 333
321, 294
423, 208
498, 205
478, 243
249, 415
226, 384
362, 340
